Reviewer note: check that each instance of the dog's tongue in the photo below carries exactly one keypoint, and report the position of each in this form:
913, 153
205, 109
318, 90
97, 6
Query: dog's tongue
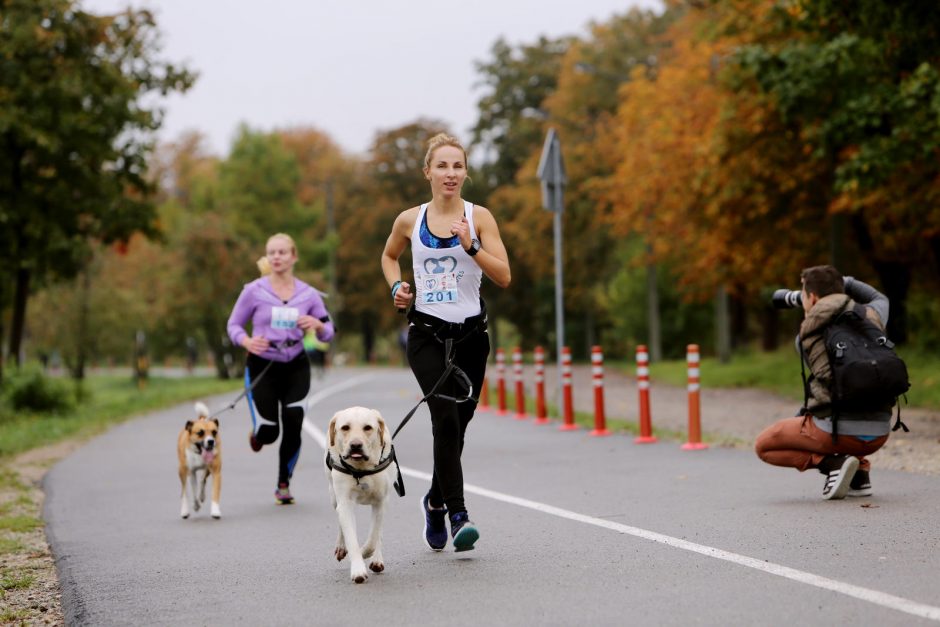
208, 456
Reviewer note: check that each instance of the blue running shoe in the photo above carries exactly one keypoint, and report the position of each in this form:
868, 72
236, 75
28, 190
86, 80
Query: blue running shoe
463, 531
435, 531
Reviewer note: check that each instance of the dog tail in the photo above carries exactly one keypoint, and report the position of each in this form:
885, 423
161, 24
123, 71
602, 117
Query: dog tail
201, 410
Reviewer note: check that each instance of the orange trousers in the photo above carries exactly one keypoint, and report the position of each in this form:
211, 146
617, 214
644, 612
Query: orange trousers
798, 443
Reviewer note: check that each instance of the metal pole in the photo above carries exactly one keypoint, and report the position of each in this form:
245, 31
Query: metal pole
331, 231
559, 283
652, 300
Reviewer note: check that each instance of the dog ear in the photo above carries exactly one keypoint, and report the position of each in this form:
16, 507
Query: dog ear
189, 425
216, 421
382, 429
332, 431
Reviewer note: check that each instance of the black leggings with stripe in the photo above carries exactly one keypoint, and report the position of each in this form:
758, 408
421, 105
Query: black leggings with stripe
278, 400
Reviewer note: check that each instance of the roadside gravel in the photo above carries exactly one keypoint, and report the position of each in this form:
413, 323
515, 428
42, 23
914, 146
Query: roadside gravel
734, 417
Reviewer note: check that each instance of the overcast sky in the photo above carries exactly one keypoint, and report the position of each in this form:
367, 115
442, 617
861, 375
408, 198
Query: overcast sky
350, 68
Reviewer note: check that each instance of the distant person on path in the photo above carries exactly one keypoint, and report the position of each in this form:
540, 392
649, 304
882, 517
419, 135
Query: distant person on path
806, 441
453, 244
281, 309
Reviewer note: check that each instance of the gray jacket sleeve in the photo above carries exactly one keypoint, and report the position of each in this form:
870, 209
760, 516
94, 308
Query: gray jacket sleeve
865, 294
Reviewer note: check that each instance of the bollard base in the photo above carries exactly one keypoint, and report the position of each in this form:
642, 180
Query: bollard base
501, 412
565, 427
521, 416
483, 408
645, 439
694, 446
542, 421
599, 433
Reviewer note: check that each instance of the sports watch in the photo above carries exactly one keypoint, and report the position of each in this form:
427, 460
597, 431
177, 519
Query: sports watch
474, 247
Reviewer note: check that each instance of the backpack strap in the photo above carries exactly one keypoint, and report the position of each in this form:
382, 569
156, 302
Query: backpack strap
804, 410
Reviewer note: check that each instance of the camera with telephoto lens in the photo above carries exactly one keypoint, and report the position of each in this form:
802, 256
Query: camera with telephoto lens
787, 299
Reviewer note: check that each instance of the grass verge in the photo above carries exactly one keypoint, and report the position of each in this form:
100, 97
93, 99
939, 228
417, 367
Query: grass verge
779, 372
28, 582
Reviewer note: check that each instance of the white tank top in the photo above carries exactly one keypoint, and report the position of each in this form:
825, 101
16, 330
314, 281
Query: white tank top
447, 280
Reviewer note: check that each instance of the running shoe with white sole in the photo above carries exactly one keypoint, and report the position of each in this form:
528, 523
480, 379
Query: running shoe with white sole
839, 477
435, 528
282, 494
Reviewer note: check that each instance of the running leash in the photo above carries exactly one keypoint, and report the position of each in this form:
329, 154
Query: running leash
450, 367
244, 392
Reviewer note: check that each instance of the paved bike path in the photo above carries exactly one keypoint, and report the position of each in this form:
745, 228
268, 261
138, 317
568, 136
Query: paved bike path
574, 529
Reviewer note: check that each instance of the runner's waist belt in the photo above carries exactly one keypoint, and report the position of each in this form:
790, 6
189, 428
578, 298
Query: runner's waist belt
444, 329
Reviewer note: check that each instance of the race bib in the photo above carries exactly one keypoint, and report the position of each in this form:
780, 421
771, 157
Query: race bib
284, 317
439, 288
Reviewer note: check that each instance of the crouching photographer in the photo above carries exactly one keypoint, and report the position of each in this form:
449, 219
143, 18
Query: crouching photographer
853, 382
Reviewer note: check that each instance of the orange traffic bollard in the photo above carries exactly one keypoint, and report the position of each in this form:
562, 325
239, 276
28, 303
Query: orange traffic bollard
520, 389
541, 416
568, 423
695, 418
484, 404
597, 376
643, 392
500, 382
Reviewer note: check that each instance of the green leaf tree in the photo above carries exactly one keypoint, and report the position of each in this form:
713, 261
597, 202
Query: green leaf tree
76, 121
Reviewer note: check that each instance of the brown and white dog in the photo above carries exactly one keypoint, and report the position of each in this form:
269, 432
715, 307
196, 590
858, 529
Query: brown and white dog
200, 454
359, 442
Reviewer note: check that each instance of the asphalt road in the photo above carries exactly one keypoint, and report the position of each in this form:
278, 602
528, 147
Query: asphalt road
574, 530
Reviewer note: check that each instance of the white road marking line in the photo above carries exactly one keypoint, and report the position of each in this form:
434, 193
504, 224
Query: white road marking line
876, 597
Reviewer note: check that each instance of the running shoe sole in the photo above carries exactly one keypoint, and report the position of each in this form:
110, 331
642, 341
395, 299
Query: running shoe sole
465, 538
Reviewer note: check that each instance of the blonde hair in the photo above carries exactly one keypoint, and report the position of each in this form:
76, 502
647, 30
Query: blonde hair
443, 139
264, 266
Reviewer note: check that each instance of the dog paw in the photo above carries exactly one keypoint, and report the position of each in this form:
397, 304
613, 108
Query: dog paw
367, 551
359, 576
376, 566
340, 553
196, 505
216, 511
184, 516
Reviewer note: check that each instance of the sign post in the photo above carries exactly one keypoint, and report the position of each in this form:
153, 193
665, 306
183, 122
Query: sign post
552, 174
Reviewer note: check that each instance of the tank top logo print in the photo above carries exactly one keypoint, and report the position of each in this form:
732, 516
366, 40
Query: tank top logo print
447, 280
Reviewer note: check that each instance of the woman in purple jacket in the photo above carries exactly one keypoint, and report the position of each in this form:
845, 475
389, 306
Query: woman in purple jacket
281, 309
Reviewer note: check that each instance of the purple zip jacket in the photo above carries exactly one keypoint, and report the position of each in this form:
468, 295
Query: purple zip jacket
275, 319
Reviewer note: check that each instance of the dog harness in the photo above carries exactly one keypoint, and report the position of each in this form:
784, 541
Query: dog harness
357, 473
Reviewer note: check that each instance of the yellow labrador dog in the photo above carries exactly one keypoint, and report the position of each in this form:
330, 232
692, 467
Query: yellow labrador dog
358, 467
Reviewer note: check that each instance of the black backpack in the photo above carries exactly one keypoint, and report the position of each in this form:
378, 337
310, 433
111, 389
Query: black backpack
866, 372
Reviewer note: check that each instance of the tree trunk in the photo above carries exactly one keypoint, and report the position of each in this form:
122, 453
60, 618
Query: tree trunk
2, 331
214, 341
770, 329
81, 331
20, 297
368, 339
739, 323
896, 282
722, 326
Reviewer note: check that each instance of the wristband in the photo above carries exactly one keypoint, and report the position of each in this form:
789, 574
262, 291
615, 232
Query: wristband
395, 287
